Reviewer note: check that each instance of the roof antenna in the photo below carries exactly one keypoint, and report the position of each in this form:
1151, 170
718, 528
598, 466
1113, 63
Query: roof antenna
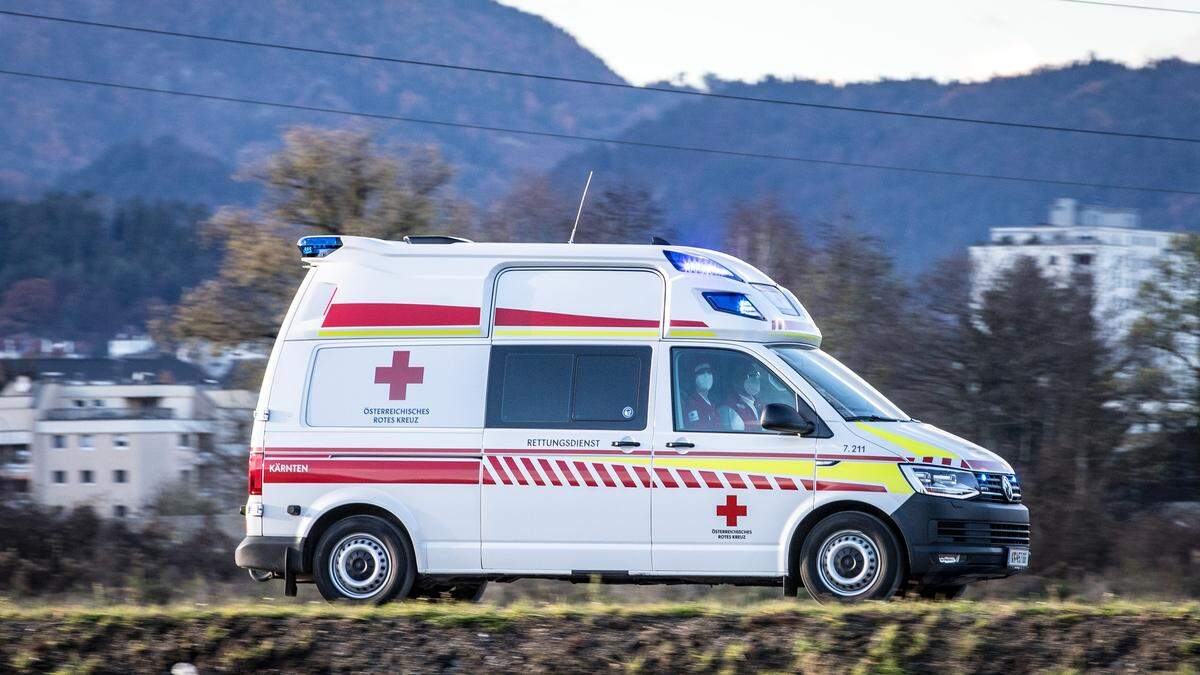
579, 213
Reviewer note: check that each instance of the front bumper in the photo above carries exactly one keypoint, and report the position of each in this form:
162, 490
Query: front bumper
980, 533
271, 554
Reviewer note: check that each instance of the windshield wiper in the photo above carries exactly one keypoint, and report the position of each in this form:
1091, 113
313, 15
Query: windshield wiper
872, 418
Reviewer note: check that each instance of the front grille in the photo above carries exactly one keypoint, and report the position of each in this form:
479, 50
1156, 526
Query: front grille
982, 533
991, 490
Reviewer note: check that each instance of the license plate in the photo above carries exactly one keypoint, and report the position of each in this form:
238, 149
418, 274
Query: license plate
1018, 557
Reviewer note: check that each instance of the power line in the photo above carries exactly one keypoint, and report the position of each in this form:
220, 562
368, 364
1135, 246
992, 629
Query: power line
594, 139
1123, 5
602, 83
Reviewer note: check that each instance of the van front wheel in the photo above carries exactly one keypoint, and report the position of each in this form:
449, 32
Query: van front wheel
363, 560
850, 557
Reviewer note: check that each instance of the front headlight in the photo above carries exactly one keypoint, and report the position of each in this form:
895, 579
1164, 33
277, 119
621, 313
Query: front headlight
941, 481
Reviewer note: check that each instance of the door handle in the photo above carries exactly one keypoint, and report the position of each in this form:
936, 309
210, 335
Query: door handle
682, 445
626, 444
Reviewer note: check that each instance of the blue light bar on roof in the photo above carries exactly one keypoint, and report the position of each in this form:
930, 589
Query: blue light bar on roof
318, 247
698, 264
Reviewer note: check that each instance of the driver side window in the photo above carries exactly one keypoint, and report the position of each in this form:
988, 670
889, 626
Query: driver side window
722, 390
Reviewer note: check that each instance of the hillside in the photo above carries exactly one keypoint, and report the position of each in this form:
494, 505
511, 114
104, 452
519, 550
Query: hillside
923, 216
50, 130
778, 637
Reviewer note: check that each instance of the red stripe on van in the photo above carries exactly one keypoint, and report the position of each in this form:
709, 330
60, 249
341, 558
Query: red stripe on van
711, 480
735, 481
665, 477
498, 468
688, 478
550, 473
603, 473
687, 323
533, 472
785, 483
623, 475
566, 472
585, 474
760, 482
529, 317
644, 476
351, 314
828, 485
515, 471
373, 471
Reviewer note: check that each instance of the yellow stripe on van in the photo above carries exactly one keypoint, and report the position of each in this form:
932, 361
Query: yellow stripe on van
401, 332
886, 474
576, 332
916, 447
691, 332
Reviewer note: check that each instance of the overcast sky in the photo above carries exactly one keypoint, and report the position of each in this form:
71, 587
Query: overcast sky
856, 40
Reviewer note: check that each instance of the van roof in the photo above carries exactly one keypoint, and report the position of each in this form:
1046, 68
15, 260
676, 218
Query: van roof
369, 288
529, 252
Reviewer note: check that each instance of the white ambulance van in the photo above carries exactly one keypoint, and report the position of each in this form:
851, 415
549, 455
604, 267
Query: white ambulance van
437, 414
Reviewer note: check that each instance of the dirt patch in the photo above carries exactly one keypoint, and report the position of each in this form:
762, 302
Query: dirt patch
957, 637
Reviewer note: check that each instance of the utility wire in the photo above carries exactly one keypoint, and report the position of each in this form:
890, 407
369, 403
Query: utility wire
1123, 5
602, 83
594, 139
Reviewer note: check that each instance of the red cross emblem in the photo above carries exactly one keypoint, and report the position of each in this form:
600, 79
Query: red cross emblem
731, 510
399, 375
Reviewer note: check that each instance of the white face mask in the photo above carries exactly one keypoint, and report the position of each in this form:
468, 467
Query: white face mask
752, 386
704, 381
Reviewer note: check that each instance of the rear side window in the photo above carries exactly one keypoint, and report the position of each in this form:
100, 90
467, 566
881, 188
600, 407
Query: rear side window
564, 387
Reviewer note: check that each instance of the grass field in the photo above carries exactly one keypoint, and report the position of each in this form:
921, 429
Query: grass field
773, 636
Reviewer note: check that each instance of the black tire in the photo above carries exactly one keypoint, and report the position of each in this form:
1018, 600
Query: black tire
851, 557
468, 592
374, 564
948, 592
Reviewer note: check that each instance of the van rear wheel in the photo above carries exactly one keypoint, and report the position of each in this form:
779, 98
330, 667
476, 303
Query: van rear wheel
363, 560
850, 557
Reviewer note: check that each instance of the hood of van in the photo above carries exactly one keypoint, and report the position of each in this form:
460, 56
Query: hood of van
925, 443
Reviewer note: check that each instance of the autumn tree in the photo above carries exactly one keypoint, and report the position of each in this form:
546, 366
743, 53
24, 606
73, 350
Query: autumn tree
532, 211
319, 182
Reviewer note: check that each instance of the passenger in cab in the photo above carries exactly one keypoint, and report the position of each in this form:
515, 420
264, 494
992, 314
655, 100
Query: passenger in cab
741, 409
700, 414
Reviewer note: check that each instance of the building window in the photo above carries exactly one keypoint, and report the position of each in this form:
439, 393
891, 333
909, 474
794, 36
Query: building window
60, 441
1082, 259
185, 440
79, 403
120, 511
85, 442
60, 477
98, 403
86, 476
185, 476
120, 441
119, 476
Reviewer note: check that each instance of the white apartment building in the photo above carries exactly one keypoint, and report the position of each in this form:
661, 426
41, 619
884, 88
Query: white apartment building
115, 446
1106, 243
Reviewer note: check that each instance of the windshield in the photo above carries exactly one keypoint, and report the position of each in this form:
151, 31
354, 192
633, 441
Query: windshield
849, 394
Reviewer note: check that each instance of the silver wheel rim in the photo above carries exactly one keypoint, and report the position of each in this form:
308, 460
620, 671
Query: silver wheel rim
848, 563
360, 566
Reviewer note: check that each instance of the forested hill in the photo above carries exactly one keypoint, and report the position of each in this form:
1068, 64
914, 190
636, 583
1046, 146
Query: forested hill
50, 130
923, 216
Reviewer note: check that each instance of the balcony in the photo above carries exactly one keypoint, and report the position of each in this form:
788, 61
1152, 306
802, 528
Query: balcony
79, 414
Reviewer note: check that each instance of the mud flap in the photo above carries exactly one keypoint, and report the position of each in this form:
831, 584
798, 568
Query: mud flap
289, 575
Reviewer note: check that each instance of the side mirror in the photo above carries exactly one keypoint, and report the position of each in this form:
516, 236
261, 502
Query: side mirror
784, 418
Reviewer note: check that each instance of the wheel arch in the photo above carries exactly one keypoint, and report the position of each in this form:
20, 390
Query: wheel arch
333, 515
796, 542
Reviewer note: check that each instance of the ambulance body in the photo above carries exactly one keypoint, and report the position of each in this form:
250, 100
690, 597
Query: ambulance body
437, 413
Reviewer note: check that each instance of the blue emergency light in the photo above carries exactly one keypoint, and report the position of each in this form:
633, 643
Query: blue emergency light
733, 303
698, 264
318, 247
